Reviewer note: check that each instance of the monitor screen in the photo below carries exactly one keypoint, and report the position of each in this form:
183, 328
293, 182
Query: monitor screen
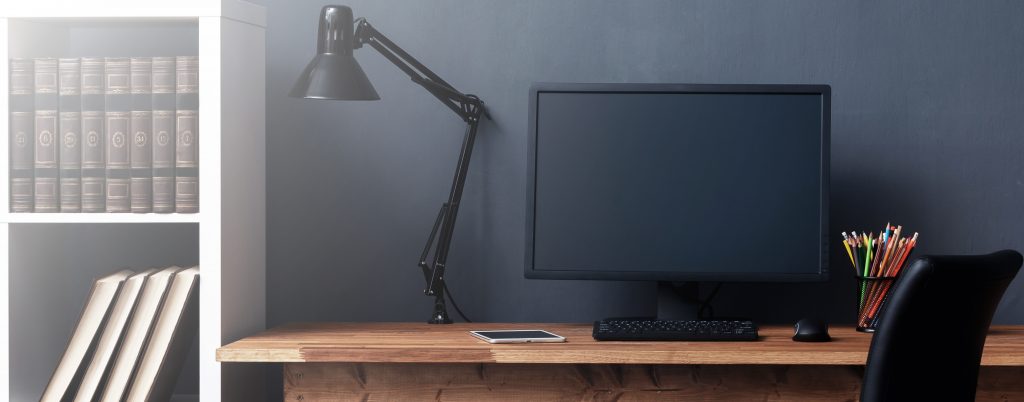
678, 182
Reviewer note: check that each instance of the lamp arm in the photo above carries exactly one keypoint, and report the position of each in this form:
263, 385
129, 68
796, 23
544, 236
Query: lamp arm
469, 108
460, 103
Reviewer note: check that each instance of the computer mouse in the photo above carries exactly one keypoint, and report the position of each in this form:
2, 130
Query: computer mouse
811, 330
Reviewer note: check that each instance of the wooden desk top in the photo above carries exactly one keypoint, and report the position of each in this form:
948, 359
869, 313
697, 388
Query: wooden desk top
424, 343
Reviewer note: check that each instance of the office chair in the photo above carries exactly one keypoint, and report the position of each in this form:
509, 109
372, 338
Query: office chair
932, 329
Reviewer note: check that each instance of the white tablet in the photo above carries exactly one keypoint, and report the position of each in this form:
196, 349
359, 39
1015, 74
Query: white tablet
517, 336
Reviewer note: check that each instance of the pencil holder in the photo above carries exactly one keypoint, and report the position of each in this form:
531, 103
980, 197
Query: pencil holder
872, 292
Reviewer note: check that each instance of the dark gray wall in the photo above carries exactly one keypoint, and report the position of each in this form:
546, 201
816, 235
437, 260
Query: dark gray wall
927, 132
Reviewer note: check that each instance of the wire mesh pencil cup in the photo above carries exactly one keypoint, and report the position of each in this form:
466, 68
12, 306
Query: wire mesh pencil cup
872, 293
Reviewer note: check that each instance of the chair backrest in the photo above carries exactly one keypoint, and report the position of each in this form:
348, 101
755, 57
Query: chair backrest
932, 329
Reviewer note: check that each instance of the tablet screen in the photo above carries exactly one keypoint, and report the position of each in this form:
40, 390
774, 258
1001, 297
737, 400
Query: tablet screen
516, 334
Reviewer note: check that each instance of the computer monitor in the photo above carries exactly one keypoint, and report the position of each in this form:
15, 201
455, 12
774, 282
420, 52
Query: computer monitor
678, 182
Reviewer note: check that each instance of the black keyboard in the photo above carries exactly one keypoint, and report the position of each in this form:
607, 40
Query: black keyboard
687, 330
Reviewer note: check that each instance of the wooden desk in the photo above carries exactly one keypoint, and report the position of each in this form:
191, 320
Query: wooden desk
410, 361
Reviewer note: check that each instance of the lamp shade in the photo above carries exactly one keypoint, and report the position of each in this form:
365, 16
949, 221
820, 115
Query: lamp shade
334, 73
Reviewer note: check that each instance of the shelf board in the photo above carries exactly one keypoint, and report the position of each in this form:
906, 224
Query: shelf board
135, 9
97, 218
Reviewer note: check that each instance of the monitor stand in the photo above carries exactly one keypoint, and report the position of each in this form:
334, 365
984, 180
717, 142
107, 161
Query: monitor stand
678, 300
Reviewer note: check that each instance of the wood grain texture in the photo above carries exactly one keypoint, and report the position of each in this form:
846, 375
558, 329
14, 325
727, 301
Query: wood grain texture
596, 382
423, 343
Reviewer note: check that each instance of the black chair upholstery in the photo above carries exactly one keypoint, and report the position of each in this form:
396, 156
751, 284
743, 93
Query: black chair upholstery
932, 329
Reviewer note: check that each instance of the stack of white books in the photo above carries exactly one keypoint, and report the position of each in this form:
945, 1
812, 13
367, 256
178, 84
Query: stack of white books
132, 338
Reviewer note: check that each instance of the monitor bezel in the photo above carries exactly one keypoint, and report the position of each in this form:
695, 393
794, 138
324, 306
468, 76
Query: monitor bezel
825, 91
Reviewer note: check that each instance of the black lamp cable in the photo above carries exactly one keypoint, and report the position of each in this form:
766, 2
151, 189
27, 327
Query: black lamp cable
448, 293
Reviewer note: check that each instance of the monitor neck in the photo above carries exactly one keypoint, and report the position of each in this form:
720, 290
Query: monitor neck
678, 300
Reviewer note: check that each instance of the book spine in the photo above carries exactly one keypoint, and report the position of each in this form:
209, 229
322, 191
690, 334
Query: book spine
141, 153
70, 135
163, 134
93, 156
45, 161
21, 134
186, 153
117, 125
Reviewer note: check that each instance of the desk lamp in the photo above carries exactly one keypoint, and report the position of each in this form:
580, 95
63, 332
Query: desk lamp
334, 74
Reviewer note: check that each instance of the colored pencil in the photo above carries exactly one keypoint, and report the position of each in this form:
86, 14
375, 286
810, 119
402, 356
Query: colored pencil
846, 244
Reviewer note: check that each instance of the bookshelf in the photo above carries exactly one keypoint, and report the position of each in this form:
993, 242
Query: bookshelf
44, 277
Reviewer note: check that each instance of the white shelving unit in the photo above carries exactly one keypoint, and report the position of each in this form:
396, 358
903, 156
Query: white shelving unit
48, 260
